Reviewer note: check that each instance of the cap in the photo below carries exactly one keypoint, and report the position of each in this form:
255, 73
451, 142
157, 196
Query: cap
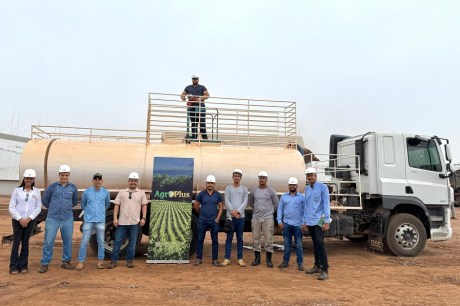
310, 170
30, 173
134, 176
238, 171
64, 168
263, 173
195, 76
293, 181
211, 179
97, 175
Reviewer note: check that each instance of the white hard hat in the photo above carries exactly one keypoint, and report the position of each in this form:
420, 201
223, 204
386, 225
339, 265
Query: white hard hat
211, 179
64, 168
195, 76
263, 173
134, 176
293, 181
30, 173
310, 170
238, 171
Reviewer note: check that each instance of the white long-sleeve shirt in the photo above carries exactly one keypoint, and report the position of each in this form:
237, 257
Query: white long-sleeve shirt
25, 204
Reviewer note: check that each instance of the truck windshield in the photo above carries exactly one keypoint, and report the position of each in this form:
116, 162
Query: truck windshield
423, 154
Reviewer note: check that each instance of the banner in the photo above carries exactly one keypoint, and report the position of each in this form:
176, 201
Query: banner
170, 210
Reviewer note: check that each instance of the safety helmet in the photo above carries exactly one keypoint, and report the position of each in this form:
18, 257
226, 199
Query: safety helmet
211, 179
64, 168
30, 173
195, 76
293, 181
310, 170
238, 171
263, 173
133, 176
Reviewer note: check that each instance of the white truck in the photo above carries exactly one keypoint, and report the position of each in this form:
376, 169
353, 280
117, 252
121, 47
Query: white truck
391, 189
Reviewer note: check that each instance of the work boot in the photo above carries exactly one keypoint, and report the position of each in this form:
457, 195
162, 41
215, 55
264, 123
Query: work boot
225, 263
129, 264
112, 264
80, 266
269, 260
283, 265
300, 267
197, 262
100, 264
256, 261
323, 275
43, 269
313, 270
241, 262
67, 265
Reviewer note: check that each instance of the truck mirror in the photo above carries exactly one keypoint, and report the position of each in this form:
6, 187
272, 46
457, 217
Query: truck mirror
448, 152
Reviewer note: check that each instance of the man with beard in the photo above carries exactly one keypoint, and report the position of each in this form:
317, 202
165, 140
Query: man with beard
290, 216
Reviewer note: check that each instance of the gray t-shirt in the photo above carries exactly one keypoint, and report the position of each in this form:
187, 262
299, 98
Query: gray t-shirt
264, 201
236, 199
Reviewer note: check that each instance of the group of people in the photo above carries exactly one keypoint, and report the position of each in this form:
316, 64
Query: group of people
60, 198
296, 213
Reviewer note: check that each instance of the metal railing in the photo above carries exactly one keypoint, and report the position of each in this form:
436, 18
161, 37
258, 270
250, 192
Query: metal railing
342, 174
229, 121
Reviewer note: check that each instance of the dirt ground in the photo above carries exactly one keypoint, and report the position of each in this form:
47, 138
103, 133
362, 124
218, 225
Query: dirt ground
358, 276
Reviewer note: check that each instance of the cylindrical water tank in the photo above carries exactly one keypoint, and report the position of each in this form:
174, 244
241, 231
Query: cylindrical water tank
115, 160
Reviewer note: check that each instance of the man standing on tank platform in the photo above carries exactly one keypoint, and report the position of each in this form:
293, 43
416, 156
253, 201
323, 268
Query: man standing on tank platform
196, 109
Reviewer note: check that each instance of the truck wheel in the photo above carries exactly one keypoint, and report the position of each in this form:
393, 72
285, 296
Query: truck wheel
406, 235
109, 238
358, 238
193, 236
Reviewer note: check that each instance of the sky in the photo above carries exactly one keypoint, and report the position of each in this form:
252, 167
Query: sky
351, 66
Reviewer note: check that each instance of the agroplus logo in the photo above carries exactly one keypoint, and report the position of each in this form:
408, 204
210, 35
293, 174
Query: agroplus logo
171, 194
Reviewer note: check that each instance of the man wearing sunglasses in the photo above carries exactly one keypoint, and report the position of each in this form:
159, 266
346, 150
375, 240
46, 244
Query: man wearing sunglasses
129, 202
196, 94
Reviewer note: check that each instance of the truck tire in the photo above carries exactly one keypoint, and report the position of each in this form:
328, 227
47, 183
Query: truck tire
358, 238
406, 235
193, 236
109, 238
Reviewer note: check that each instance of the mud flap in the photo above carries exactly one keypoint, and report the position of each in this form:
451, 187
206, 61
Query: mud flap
376, 233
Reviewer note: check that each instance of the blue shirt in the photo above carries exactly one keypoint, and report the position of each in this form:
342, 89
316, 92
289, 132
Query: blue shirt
316, 204
209, 204
59, 200
290, 209
95, 203
197, 90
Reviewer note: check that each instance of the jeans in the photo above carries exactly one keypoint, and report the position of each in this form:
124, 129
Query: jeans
197, 115
51, 228
317, 236
21, 236
238, 224
120, 234
203, 226
87, 231
265, 225
288, 232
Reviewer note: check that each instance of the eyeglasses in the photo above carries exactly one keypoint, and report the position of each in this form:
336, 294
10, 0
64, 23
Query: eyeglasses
130, 194
27, 197
194, 78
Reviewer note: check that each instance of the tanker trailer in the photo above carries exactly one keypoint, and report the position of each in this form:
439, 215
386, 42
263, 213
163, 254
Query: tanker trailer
249, 135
